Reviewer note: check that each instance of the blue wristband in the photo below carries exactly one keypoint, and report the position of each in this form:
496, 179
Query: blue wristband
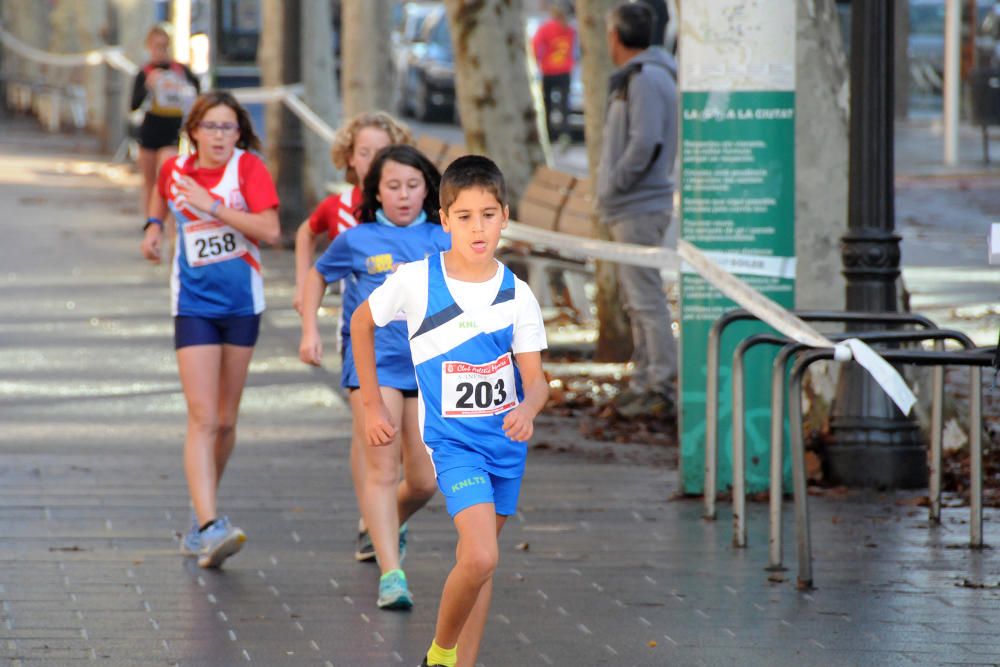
152, 221
215, 206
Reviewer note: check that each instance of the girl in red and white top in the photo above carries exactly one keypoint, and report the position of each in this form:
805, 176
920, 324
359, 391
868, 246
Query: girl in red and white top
354, 147
223, 203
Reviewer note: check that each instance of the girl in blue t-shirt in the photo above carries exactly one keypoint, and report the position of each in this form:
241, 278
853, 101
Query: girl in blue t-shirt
399, 216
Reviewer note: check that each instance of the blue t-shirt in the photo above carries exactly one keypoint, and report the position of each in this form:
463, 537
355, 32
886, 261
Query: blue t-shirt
364, 256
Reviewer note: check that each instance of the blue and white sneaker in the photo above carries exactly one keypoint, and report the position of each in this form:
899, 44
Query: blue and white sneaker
218, 542
393, 593
191, 542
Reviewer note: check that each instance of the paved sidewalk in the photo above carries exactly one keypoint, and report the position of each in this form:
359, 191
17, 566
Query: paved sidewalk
600, 567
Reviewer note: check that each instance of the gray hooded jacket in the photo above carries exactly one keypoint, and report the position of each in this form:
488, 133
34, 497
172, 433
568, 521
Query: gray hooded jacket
640, 137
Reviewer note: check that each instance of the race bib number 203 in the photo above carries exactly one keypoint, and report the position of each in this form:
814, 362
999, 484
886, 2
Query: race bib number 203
478, 390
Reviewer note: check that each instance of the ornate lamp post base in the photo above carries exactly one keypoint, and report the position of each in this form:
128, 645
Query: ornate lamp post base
875, 445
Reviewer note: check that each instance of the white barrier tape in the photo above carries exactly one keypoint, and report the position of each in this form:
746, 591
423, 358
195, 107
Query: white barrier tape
578, 247
111, 55
748, 298
753, 265
115, 58
262, 95
770, 313
885, 375
309, 117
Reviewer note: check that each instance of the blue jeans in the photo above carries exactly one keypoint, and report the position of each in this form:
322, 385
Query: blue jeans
655, 350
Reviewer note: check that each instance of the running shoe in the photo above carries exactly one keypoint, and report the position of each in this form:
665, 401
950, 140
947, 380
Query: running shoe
191, 542
427, 664
393, 593
365, 551
218, 542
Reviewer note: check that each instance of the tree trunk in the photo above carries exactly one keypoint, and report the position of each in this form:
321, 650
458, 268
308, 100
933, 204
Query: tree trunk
821, 144
493, 89
366, 70
278, 58
614, 335
320, 93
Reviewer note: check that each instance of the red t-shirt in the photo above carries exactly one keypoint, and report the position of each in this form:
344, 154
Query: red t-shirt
336, 213
255, 181
553, 45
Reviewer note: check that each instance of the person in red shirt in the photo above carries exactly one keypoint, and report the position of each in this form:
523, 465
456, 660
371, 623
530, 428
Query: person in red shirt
554, 45
354, 147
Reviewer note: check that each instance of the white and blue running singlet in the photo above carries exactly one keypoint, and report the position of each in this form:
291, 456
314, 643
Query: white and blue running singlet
216, 270
467, 378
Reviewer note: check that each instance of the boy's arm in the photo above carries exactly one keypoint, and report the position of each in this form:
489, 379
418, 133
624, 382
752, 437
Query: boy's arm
519, 422
311, 345
305, 249
379, 429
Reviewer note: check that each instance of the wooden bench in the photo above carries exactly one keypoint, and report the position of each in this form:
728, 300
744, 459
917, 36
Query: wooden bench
555, 201
453, 152
432, 147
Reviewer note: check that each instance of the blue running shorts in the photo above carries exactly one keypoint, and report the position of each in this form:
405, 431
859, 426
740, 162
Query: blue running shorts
240, 331
467, 486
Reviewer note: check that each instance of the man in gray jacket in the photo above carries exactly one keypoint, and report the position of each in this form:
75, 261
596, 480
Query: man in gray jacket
635, 195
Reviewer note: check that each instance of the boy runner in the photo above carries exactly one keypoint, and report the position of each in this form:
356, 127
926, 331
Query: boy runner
476, 336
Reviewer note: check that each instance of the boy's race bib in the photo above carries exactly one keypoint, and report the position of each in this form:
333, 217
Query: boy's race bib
211, 241
470, 390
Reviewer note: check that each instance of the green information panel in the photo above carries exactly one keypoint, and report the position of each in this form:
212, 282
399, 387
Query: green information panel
738, 206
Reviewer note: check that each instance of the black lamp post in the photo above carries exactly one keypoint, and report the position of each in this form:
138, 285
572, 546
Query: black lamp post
874, 444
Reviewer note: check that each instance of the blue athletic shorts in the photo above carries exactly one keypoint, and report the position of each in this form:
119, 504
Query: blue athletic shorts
240, 331
468, 486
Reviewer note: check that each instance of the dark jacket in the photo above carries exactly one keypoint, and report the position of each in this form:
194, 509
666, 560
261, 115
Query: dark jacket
640, 137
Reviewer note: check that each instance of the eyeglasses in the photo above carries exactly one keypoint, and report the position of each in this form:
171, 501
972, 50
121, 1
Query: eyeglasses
225, 128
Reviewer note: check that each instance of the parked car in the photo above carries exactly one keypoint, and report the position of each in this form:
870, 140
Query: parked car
426, 69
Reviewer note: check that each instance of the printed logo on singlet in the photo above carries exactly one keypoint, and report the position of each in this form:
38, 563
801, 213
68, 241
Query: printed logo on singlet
237, 201
379, 263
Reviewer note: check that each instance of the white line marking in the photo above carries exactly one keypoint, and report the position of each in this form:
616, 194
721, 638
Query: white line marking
562, 611
395, 655
212, 598
107, 524
645, 622
156, 626
333, 582
222, 615
314, 645
786, 623
610, 650
808, 597
584, 629
701, 613
232, 635
364, 617
138, 589
817, 643
731, 590
260, 573
348, 600
546, 659
758, 607
83, 633
274, 591
378, 637
147, 607
650, 579
201, 581
503, 619
274, 561
246, 655
295, 537
668, 638
730, 633
600, 589
542, 594
523, 638
298, 626
637, 516
575, 571
130, 573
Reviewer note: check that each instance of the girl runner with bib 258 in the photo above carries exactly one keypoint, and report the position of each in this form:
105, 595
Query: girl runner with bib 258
223, 202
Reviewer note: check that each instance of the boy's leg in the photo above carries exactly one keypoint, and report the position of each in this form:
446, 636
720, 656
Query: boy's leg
418, 484
381, 477
472, 633
476, 556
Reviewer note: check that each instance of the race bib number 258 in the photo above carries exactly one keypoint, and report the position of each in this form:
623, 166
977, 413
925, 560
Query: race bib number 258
478, 390
210, 241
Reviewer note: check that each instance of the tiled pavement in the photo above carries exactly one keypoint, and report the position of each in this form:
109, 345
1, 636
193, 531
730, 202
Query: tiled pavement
600, 567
